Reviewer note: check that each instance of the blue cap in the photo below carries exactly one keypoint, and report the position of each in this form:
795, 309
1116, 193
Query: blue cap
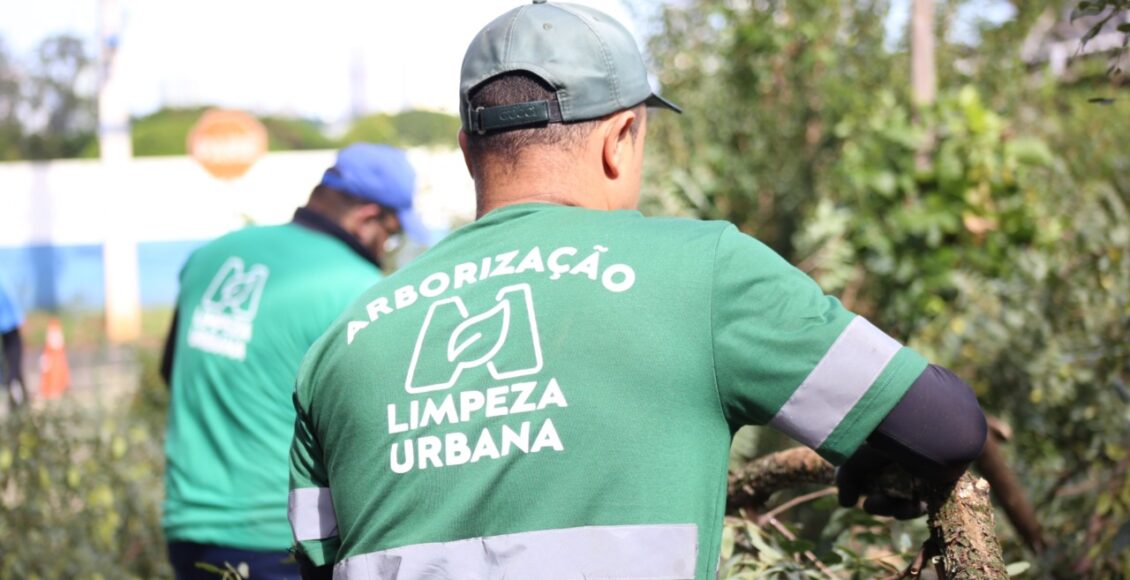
380, 174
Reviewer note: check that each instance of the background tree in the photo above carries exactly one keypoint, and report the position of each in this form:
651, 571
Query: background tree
411, 128
60, 106
764, 82
374, 128
11, 131
293, 134
47, 110
419, 128
164, 132
1003, 253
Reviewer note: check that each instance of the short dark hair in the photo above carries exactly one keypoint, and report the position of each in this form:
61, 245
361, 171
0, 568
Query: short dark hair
520, 87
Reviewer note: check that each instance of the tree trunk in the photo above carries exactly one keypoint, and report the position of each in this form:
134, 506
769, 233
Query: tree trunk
923, 75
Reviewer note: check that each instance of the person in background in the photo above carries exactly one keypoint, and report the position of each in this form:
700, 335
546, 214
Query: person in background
11, 367
250, 304
551, 391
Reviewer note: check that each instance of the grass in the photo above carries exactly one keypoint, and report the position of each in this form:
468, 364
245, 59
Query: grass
85, 329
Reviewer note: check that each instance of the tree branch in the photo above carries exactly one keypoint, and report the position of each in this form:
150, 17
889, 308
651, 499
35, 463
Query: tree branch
807, 553
773, 513
960, 515
961, 519
751, 486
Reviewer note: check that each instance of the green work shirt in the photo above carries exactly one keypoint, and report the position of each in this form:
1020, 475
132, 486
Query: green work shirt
251, 303
551, 392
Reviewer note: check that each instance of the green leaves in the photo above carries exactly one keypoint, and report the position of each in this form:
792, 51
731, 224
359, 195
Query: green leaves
763, 126
82, 496
1017, 568
411, 128
1090, 8
164, 132
992, 230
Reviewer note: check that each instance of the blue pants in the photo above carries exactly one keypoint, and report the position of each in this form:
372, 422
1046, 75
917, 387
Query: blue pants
261, 565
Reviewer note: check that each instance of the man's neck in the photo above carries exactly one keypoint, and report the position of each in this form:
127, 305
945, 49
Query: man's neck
570, 188
490, 202
312, 219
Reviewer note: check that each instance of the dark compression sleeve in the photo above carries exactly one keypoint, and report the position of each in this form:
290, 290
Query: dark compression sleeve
170, 348
936, 430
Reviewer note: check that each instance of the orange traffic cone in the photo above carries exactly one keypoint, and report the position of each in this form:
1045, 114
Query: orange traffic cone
54, 374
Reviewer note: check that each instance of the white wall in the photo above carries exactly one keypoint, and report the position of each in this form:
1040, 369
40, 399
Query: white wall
173, 198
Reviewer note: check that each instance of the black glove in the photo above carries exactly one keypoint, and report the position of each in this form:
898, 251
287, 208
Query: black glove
859, 474
308, 570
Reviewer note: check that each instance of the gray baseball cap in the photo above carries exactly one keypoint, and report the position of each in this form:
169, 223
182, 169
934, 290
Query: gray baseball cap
590, 60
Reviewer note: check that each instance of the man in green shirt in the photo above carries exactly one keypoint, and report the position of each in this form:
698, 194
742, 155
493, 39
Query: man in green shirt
250, 304
552, 390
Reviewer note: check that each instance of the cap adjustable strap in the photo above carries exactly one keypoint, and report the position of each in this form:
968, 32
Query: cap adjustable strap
488, 119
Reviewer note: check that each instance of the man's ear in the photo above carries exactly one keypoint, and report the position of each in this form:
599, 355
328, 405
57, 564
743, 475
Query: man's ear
466, 155
618, 141
358, 216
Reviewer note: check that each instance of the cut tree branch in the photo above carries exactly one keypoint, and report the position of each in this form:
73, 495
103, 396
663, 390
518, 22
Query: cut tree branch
961, 520
960, 515
751, 486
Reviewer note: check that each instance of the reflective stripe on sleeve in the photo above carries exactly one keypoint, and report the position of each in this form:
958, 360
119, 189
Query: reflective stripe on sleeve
655, 552
311, 513
837, 383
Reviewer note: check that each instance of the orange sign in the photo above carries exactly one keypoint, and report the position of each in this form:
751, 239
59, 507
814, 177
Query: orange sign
227, 143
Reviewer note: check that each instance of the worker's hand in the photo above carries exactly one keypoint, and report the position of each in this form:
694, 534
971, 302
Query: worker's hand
860, 473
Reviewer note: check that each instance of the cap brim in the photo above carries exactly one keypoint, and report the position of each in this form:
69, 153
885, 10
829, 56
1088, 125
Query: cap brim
657, 101
413, 227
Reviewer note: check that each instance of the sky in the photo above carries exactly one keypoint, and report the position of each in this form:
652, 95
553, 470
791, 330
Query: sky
314, 59
319, 60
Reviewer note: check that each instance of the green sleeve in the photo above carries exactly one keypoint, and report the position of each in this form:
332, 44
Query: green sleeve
312, 517
788, 356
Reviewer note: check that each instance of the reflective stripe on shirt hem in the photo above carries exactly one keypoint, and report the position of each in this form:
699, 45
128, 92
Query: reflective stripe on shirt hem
836, 383
652, 552
311, 513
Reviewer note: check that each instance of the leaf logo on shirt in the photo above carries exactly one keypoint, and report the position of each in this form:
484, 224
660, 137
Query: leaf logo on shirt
504, 338
235, 290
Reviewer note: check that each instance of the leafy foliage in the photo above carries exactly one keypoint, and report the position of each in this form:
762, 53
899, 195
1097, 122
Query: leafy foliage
47, 108
1108, 9
289, 134
79, 501
905, 224
375, 128
47, 111
412, 128
990, 230
418, 128
164, 132
763, 83
80, 489
843, 544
